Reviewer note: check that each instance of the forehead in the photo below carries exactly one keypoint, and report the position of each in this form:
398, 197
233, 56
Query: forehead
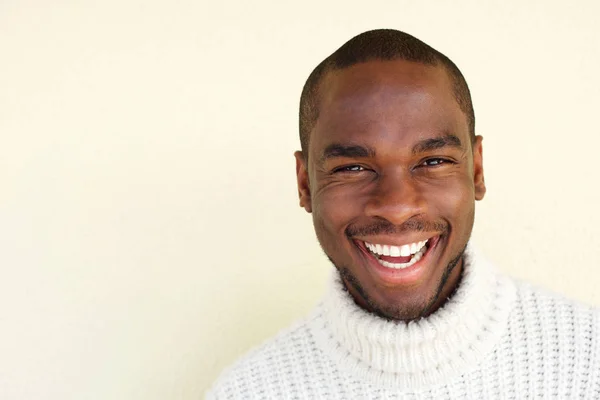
400, 100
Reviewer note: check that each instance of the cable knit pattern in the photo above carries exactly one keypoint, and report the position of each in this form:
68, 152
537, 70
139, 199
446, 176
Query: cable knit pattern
495, 338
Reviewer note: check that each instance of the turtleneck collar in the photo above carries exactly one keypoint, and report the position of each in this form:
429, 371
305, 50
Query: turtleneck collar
424, 352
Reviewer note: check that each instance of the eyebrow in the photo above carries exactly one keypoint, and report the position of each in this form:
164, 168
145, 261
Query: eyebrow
436, 143
336, 150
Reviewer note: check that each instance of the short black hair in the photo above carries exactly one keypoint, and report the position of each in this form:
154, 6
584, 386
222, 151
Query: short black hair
384, 45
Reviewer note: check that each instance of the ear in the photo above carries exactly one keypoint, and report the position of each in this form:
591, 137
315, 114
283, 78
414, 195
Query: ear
478, 178
303, 183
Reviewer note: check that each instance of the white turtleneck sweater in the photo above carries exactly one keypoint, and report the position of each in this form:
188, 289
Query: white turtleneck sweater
496, 338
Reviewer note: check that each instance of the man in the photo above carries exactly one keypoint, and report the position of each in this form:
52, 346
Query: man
390, 169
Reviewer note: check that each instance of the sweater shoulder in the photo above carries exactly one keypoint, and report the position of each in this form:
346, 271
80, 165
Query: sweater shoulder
550, 313
264, 371
550, 301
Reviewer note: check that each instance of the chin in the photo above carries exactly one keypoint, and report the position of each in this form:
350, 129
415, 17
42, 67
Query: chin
402, 309
388, 303
407, 294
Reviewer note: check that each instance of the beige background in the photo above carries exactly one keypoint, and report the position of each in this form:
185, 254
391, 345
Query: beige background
149, 226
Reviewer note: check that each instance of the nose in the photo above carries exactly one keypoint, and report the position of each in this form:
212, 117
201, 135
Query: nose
396, 197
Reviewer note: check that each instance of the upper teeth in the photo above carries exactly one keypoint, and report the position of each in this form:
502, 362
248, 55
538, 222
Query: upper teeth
396, 251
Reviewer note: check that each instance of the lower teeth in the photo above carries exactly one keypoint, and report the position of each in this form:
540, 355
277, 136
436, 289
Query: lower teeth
415, 258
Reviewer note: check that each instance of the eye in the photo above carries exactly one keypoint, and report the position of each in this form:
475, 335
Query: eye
434, 162
349, 168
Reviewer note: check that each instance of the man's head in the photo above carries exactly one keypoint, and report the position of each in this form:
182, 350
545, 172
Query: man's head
390, 169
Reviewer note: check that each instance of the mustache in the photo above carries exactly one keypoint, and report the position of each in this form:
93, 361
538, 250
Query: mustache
383, 226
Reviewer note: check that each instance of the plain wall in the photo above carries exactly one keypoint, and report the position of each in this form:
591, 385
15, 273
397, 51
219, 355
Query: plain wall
149, 224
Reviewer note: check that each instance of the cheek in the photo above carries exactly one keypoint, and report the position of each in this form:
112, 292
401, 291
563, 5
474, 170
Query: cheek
454, 200
333, 210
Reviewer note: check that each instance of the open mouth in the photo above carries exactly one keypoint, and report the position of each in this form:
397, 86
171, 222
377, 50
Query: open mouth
400, 257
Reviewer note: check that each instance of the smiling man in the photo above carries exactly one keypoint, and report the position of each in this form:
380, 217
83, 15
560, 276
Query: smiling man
390, 170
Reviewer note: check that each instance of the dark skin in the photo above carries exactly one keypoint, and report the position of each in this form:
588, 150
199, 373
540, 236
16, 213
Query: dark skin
391, 161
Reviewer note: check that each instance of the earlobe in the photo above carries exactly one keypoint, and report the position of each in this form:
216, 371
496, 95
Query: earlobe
478, 176
303, 183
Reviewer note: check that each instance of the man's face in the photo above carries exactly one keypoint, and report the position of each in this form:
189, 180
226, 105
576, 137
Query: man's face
391, 180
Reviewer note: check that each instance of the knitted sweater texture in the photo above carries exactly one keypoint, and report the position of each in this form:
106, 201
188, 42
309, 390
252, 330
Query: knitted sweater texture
496, 338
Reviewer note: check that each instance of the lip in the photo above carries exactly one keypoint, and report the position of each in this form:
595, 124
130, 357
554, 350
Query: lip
406, 276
